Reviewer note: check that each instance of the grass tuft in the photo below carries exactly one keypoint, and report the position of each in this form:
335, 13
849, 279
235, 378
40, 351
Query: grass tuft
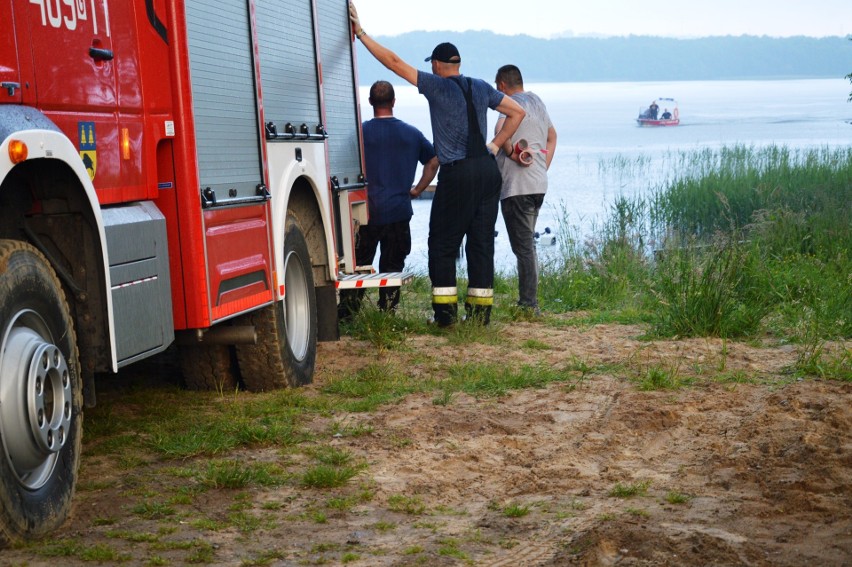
630, 490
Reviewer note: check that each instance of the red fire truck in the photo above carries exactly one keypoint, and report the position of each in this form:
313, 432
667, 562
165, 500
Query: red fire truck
171, 171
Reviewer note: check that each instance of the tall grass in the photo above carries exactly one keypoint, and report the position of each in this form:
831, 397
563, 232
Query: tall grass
705, 290
737, 241
602, 269
723, 190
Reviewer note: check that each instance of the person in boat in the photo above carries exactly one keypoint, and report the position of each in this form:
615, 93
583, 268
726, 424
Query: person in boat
653, 110
666, 114
650, 113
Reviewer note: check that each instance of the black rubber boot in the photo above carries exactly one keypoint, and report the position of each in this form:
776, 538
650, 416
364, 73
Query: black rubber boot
446, 314
478, 313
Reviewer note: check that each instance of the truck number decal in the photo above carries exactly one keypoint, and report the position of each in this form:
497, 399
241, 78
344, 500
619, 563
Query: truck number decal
67, 13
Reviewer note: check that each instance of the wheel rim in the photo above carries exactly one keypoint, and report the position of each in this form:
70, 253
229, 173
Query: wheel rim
36, 397
296, 306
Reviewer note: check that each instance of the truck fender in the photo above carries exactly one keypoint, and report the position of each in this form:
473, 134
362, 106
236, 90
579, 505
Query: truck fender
45, 140
306, 169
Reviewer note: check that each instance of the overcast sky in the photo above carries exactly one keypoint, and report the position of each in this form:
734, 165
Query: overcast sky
554, 18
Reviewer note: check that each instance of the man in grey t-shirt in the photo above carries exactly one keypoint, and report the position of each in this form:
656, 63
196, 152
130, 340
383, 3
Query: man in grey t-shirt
524, 161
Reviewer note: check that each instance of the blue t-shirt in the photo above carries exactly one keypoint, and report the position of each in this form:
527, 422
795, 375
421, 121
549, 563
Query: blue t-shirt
392, 149
448, 111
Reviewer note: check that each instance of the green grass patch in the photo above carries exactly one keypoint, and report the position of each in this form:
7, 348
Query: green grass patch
383, 330
327, 476
153, 510
674, 497
233, 474
815, 360
371, 387
659, 377
630, 490
412, 505
535, 344
491, 380
515, 510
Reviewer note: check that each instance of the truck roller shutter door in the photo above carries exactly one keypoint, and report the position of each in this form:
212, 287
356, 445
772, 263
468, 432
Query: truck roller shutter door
338, 76
288, 64
224, 99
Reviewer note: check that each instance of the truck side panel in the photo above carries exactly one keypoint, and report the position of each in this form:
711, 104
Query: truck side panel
139, 272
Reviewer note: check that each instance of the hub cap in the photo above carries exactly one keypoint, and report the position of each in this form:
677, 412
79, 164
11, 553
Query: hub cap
296, 304
35, 399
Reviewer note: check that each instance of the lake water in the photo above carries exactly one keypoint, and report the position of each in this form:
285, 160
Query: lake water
597, 134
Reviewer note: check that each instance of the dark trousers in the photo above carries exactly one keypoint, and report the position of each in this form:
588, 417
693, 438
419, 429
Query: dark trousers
521, 213
395, 242
466, 204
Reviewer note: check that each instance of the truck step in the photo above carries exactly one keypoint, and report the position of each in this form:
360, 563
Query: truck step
362, 281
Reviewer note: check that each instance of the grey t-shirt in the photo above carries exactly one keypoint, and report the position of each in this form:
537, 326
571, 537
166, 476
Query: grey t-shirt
518, 179
448, 112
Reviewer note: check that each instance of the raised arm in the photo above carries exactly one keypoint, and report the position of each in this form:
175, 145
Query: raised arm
384, 55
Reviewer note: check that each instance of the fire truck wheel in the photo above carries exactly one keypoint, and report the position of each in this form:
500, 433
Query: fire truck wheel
40, 395
208, 368
286, 348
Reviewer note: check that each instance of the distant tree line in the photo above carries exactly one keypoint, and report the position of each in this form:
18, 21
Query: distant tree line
631, 58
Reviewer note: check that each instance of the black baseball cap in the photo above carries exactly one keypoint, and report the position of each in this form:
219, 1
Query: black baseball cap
446, 53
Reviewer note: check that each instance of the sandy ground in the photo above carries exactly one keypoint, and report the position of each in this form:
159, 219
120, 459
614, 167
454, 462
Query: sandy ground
726, 473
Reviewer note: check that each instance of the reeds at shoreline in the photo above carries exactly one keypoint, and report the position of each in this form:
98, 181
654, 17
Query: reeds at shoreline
740, 242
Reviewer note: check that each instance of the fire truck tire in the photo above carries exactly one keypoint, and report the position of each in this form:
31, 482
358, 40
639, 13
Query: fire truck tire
286, 349
41, 396
208, 368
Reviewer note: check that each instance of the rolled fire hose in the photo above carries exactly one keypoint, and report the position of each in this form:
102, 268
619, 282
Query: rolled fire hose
525, 153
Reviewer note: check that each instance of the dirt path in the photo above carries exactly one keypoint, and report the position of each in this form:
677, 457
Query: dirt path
722, 473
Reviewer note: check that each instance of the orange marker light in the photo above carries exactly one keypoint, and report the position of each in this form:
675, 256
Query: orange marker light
125, 143
18, 151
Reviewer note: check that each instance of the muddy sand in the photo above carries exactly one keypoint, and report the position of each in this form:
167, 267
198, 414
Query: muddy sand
755, 469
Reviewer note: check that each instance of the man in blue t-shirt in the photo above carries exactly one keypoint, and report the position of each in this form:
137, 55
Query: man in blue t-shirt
392, 150
467, 197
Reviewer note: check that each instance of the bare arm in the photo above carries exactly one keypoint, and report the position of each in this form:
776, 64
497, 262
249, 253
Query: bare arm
430, 169
514, 115
384, 55
551, 145
507, 146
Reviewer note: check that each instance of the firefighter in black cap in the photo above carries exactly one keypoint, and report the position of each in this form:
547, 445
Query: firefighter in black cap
467, 196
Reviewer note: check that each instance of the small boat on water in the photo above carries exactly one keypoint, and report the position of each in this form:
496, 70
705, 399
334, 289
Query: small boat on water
653, 116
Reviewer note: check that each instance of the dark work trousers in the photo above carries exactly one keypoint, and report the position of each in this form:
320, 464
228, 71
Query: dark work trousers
520, 214
466, 203
395, 241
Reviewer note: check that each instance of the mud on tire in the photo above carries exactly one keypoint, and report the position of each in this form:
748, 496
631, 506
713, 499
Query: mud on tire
208, 368
286, 349
41, 396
